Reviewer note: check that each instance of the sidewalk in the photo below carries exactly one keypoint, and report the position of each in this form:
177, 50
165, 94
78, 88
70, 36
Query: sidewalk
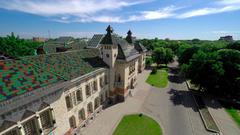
108, 119
222, 118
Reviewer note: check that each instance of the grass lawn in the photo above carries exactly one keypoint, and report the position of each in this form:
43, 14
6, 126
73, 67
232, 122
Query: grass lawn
235, 114
160, 79
136, 125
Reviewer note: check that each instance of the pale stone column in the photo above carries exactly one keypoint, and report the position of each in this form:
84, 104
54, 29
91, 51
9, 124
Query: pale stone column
21, 130
38, 123
52, 116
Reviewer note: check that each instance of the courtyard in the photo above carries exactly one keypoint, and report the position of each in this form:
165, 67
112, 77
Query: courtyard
171, 107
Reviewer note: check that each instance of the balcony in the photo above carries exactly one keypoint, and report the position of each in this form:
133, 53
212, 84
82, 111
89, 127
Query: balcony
119, 84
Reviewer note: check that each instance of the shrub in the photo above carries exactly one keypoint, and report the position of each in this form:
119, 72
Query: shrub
154, 70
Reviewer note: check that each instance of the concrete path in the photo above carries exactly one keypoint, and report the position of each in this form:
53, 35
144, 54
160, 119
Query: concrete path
224, 121
105, 123
173, 107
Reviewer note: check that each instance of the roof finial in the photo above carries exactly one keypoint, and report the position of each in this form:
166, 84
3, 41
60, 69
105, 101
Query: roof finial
109, 29
129, 33
129, 37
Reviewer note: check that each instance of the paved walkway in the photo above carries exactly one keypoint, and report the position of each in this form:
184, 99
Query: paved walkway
105, 123
222, 118
173, 107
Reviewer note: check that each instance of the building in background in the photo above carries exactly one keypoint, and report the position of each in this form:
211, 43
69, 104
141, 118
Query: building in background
227, 38
39, 39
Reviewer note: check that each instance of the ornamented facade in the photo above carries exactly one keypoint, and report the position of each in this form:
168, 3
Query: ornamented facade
59, 93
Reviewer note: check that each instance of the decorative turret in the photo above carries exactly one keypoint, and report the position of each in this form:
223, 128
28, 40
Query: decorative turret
108, 37
109, 49
129, 37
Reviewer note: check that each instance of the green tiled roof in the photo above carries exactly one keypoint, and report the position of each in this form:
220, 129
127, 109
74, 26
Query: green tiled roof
69, 64
33, 72
18, 77
94, 42
68, 42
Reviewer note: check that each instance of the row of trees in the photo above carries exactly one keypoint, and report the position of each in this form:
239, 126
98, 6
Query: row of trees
14, 46
214, 66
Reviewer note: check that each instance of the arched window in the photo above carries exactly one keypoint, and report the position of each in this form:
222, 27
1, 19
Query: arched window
81, 114
72, 122
90, 108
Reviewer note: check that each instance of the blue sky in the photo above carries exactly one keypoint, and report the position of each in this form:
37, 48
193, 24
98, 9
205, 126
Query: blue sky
174, 19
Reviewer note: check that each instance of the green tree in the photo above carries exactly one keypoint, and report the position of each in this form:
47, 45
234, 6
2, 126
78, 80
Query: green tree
185, 53
169, 55
231, 64
162, 56
16, 47
159, 55
205, 69
234, 45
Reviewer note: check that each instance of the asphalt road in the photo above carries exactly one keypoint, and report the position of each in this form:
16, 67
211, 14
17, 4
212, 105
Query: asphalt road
174, 108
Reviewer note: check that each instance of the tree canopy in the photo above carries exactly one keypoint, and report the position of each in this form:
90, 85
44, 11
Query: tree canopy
162, 55
212, 65
14, 46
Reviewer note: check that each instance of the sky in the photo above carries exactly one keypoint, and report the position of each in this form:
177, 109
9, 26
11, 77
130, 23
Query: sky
174, 19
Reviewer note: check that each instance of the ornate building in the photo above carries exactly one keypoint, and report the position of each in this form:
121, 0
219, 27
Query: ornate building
59, 93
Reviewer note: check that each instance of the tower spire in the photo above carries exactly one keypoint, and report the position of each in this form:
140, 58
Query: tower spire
129, 37
109, 29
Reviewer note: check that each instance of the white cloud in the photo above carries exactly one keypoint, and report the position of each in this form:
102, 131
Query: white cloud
105, 11
155, 14
220, 6
61, 7
228, 2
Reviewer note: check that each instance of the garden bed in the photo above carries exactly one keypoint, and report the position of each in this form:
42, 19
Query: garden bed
205, 115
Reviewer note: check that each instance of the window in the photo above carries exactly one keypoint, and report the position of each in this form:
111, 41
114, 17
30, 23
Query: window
131, 68
102, 99
72, 122
46, 119
96, 103
105, 79
79, 95
107, 55
30, 127
95, 86
88, 91
119, 78
90, 108
68, 102
101, 82
81, 114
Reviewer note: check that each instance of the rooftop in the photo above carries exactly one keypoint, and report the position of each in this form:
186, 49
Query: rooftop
33, 72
